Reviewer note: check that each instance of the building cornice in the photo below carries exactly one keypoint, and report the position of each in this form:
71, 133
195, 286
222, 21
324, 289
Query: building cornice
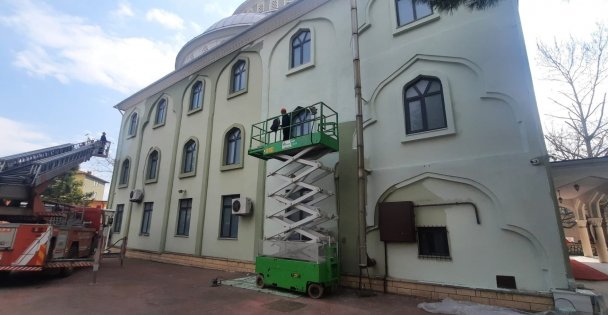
581, 162
267, 25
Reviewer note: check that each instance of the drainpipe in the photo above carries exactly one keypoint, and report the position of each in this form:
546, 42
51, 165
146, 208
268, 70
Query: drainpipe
360, 148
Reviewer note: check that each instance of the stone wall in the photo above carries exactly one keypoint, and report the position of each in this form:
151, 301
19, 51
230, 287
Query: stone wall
193, 261
525, 302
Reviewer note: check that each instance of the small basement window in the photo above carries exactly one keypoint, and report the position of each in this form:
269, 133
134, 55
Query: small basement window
433, 242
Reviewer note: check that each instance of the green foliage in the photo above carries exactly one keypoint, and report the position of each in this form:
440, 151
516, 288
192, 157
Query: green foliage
66, 189
451, 5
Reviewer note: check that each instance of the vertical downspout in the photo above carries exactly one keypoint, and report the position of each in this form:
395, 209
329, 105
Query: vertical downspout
360, 148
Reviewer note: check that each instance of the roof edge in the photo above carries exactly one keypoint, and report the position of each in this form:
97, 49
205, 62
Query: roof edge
265, 26
566, 163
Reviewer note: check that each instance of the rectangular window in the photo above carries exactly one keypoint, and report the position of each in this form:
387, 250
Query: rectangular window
146, 218
229, 222
409, 11
120, 209
183, 217
433, 242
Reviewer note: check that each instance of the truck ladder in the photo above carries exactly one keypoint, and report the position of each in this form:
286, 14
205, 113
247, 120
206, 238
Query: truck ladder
22, 159
36, 167
22, 175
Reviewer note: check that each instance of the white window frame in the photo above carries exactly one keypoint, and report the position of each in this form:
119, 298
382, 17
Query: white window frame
448, 106
397, 29
156, 112
311, 64
232, 93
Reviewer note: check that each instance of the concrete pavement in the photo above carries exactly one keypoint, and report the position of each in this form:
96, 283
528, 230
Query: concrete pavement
144, 287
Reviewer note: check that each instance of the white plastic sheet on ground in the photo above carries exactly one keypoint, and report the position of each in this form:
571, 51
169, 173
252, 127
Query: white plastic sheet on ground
449, 306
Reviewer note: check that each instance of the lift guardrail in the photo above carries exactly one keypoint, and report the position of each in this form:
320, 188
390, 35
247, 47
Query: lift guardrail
315, 124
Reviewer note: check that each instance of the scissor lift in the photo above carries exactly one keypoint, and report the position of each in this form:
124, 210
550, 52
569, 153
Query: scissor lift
298, 255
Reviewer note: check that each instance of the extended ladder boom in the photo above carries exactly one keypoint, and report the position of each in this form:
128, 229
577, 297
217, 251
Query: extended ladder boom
20, 173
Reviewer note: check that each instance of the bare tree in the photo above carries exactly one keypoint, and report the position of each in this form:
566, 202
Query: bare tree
579, 69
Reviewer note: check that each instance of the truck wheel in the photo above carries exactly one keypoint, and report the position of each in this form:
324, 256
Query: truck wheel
315, 290
259, 281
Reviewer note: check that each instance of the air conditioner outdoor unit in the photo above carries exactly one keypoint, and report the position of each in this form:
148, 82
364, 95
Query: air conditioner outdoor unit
241, 206
137, 195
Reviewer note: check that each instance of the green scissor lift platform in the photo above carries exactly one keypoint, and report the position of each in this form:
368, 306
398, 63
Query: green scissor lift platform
298, 256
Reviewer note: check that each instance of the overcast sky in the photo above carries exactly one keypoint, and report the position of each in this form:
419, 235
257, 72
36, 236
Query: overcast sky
64, 64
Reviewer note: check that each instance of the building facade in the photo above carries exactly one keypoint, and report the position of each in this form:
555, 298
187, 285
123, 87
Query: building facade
92, 184
450, 124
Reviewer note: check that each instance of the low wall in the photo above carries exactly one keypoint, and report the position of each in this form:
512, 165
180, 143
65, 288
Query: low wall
525, 302
521, 301
195, 261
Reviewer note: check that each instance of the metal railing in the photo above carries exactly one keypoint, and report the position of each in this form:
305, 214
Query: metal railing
303, 121
576, 249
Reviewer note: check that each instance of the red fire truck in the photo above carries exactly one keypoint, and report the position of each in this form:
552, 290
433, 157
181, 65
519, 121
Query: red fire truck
35, 235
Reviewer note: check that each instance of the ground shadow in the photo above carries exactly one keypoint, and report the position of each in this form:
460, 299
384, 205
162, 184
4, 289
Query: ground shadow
28, 279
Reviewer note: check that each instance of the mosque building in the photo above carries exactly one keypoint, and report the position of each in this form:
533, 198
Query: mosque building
451, 128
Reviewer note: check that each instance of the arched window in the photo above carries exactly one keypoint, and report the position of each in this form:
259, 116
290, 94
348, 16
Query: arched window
189, 161
301, 123
152, 166
300, 48
424, 105
124, 173
233, 147
133, 125
198, 93
409, 11
161, 112
239, 76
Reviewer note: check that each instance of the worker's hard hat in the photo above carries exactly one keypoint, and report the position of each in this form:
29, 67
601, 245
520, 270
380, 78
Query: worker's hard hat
283, 110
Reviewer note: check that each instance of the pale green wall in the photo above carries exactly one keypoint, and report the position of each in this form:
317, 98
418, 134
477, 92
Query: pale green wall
242, 110
346, 183
482, 157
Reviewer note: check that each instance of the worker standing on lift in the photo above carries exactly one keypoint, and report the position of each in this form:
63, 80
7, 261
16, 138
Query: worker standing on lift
103, 141
285, 124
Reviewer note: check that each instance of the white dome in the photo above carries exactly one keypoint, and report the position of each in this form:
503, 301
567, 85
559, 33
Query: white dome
261, 6
247, 14
215, 35
241, 19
